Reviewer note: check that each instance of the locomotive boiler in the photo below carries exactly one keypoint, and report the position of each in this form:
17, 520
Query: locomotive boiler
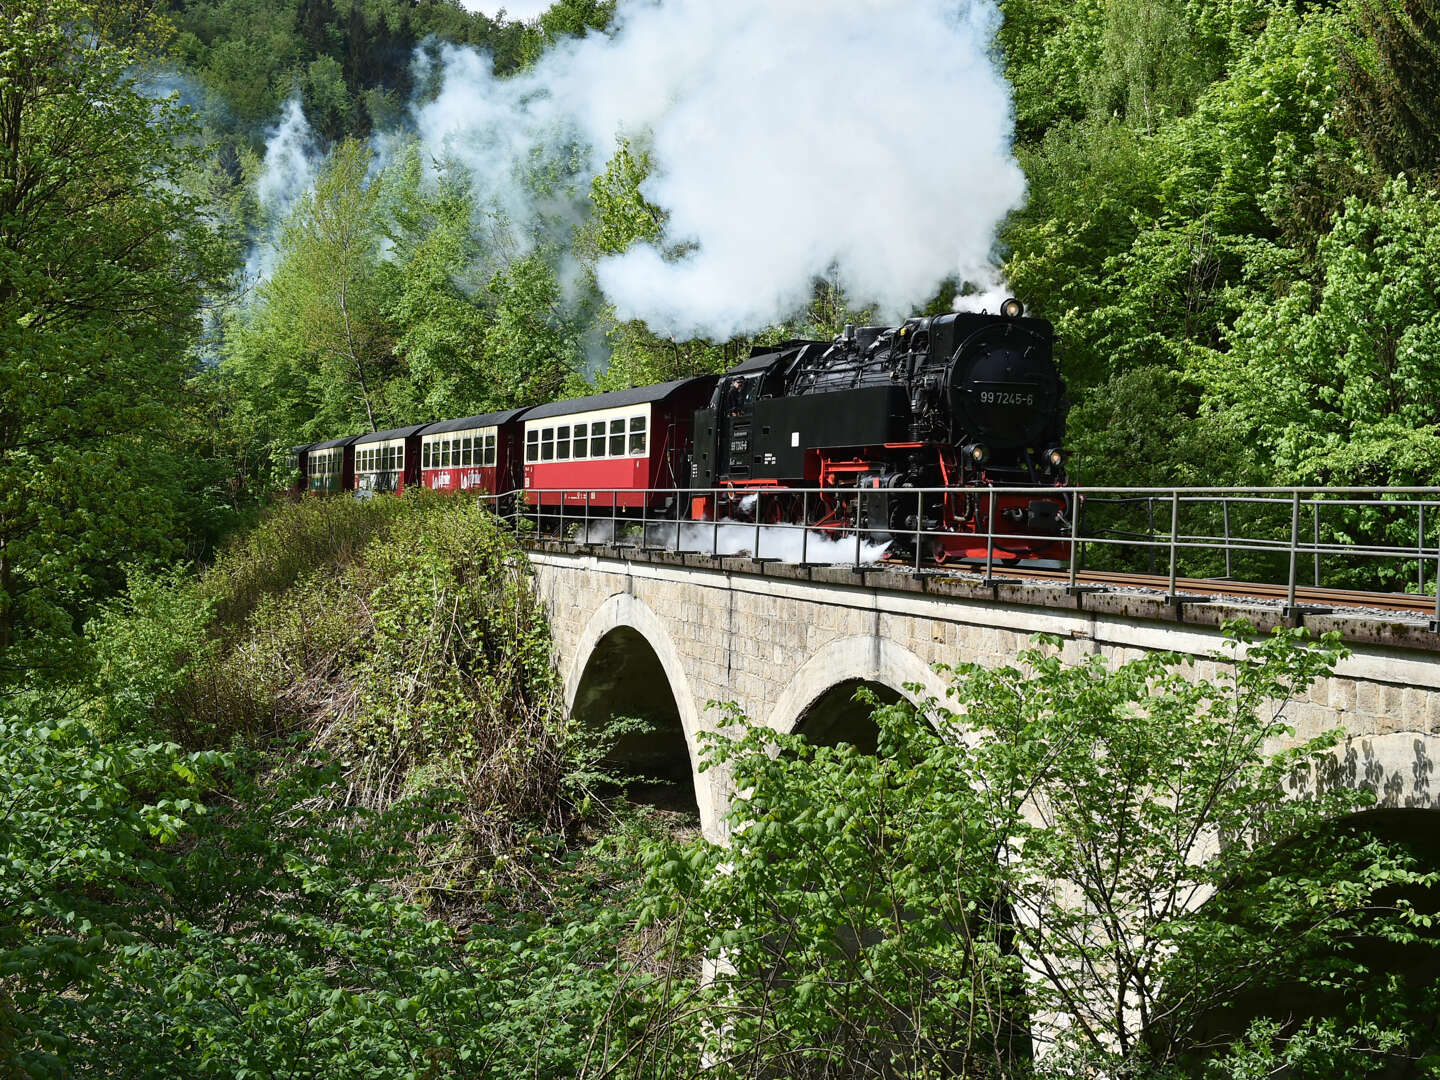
963, 401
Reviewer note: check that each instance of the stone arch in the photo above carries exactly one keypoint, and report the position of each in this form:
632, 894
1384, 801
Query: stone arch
624, 613
864, 658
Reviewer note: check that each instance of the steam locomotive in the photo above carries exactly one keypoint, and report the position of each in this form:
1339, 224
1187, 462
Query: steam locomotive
841, 435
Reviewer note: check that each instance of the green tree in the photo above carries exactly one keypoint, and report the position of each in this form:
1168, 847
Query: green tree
1392, 69
1338, 381
324, 296
432, 295
533, 350
104, 261
1108, 855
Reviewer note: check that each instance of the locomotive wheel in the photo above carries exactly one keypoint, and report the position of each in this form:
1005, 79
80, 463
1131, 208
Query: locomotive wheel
938, 554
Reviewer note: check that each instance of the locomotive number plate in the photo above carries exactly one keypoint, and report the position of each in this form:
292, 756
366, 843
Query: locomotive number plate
1004, 397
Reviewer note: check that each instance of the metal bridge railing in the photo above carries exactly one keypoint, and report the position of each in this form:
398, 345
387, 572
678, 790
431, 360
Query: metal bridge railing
1355, 540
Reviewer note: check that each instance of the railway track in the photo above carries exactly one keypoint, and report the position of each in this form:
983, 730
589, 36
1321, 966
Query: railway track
1306, 596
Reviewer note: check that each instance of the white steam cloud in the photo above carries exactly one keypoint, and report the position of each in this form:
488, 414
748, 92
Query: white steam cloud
292, 162
866, 141
785, 543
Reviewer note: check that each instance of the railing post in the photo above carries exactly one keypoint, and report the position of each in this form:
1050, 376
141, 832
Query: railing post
804, 527
759, 505
588, 538
1074, 542
1420, 549
919, 525
859, 502
1150, 528
1174, 539
990, 539
1225, 510
715, 522
1294, 546
1315, 535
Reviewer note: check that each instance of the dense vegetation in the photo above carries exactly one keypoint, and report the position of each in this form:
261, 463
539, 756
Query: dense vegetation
1232, 209
314, 813
1232, 218
311, 810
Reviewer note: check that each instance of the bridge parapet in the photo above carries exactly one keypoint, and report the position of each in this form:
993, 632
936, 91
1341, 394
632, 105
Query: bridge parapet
773, 638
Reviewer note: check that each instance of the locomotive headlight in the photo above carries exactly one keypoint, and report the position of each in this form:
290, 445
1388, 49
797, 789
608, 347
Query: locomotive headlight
979, 453
1012, 308
1055, 456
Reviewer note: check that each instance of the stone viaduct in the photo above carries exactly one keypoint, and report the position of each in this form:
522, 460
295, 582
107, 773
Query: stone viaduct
663, 634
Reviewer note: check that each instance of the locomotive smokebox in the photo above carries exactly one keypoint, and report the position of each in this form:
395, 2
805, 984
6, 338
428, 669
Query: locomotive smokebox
1004, 387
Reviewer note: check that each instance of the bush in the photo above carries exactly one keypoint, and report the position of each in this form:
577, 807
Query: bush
400, 636
1107, 857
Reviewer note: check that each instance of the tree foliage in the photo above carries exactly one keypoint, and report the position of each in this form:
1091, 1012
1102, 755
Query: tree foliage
104, 261
1393, 76
348, 59
1106, 857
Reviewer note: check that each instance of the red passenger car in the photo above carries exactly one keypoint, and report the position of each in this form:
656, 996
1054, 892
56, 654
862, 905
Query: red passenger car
476, 453
597, 449
388, 461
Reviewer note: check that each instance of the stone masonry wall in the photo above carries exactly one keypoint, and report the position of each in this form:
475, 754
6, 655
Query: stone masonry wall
774, 641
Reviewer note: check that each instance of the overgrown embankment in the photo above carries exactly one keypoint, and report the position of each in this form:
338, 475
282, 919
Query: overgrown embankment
313, 812
400, 637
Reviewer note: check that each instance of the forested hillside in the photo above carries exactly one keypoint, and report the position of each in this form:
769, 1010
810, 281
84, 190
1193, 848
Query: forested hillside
285, 789
1231, 217
1233, 221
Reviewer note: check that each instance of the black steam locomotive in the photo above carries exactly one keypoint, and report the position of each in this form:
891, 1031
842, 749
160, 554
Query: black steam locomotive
958, 401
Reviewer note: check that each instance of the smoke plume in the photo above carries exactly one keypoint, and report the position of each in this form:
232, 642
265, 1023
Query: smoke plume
863, 140
786, 543
292, 162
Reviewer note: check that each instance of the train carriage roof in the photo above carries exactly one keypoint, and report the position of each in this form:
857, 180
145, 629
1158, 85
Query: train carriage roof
385, 436
466, 423
618, 399
333, 443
